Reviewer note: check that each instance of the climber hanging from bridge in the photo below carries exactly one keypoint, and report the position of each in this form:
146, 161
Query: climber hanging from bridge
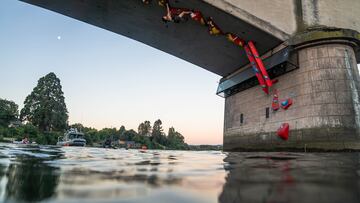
213, 28
162, 2
198, 17
177, 15
235, 39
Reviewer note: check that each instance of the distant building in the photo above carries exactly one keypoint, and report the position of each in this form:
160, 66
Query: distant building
15, 124
129, 144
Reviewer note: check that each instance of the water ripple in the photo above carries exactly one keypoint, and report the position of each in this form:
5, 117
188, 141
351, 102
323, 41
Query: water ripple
46, 173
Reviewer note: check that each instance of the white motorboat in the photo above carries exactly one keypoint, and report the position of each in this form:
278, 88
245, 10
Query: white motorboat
72, 138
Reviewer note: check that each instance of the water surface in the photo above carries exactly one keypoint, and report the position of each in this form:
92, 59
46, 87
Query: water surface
70, 174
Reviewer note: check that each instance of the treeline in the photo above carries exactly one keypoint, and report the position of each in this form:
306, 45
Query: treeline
45, 117
12, 127
153, 137
31, 132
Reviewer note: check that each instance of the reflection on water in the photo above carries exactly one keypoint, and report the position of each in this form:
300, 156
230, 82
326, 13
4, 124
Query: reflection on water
51, 174
24, 176
292, 177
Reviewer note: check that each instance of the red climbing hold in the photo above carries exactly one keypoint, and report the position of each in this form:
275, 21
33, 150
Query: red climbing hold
283, 131
275, 102
274, 81
286, 104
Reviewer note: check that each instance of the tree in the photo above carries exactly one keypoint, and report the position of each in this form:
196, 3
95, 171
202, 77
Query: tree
8, 112
129, 135
107, 133
121, 132
157, 133
176, 140
45, 107
144, 128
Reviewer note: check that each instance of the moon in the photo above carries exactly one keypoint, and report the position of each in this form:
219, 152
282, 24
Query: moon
59, 37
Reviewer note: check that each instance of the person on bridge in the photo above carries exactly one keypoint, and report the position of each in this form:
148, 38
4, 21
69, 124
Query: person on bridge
146, 1
235, 39
162, 3
213, 28
175, 15
198, 17
179, 14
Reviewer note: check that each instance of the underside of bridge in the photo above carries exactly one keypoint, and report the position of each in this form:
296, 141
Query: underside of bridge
187, 40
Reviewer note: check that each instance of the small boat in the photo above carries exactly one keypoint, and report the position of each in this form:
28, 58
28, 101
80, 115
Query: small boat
24, 141
72, 138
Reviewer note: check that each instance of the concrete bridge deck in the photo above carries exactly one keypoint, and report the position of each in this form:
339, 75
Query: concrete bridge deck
188, 40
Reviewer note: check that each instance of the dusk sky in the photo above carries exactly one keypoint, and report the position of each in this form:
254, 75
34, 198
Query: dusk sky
108, 80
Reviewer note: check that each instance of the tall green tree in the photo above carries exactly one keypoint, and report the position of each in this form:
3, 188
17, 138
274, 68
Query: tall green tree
144, 128
176, 140
8, 112
129, 135
157, 134
121, 132
45, 107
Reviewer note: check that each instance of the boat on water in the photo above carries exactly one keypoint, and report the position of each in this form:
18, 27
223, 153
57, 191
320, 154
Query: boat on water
72, 138
25, 141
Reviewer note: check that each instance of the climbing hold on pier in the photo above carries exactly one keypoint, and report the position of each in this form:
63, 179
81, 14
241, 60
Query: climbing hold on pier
275, 102
274, 81
286, 104
283, 131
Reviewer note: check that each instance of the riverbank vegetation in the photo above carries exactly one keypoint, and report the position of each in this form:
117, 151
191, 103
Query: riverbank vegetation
45, 117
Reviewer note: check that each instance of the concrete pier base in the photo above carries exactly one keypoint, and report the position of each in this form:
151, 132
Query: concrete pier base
325, 114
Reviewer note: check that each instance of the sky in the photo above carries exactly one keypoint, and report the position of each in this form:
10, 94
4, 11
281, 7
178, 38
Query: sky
108, 80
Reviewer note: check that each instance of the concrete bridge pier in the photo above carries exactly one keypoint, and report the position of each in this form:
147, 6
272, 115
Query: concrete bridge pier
325, 114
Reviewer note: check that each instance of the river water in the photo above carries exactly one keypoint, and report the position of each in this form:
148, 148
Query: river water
52, 174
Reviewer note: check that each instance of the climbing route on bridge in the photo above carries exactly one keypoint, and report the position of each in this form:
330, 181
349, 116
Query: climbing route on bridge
178, 15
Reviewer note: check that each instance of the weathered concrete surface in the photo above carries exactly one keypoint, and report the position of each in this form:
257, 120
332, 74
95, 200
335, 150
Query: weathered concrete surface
331, 13
325, 113
284, 18
277, 17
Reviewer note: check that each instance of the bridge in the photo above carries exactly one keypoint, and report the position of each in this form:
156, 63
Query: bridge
310, 46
